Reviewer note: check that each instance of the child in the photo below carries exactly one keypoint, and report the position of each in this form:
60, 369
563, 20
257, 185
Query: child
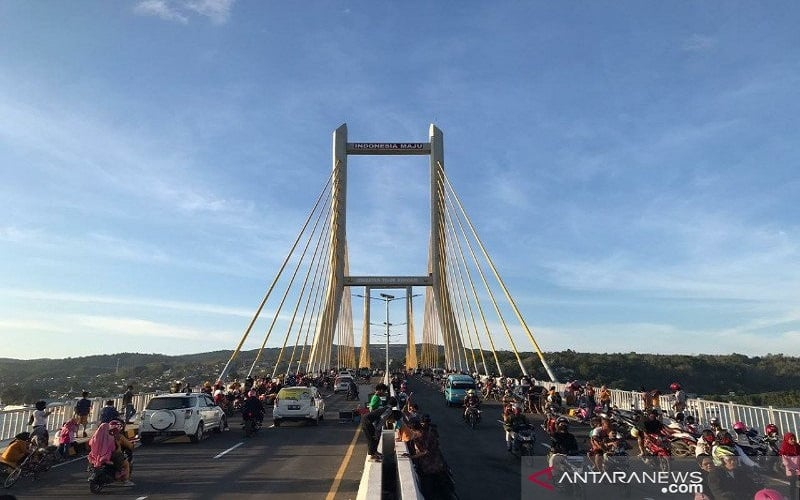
67, 435
39, 421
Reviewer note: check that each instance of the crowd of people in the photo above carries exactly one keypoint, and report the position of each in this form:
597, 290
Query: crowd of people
411, 427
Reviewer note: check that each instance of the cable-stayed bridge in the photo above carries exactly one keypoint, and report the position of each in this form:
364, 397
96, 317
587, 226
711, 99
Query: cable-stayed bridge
467, 307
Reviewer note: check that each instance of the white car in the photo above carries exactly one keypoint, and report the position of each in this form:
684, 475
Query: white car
298, 403
190, 415
342, 383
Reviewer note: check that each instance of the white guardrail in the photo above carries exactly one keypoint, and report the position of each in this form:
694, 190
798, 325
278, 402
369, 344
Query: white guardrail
703, 410
12, 422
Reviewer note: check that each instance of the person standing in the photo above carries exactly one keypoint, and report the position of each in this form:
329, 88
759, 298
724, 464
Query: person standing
127, 404
109, 412
370, 424
82, 409
790, 455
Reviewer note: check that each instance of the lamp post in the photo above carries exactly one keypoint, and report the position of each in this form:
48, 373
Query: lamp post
387, 298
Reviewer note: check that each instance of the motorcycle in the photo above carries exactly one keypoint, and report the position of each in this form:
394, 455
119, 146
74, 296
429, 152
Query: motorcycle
250, 424
472, 416
657, 452
567, 467
351, 395
524, 440
105, 475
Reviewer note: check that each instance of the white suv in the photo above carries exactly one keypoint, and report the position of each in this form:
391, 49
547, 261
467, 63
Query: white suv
180, 415
298, 403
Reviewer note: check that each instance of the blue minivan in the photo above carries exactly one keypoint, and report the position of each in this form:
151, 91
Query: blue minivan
456, 387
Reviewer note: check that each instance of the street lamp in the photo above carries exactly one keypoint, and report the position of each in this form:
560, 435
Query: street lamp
387, 298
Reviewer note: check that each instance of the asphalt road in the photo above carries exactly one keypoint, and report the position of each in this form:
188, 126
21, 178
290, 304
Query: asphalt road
290, 462
299, 462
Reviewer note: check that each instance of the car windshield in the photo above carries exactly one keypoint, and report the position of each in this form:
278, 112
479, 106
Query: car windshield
170, 403
294, 393
343, 380
463, 385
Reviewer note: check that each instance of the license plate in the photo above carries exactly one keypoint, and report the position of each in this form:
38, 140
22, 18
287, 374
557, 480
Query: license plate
294, 407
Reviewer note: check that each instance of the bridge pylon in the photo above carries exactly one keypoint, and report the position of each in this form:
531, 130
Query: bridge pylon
337, 280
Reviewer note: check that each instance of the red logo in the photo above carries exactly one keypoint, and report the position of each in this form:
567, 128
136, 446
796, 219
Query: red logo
547, 485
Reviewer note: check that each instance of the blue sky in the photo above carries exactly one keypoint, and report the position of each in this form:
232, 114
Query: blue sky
630, 166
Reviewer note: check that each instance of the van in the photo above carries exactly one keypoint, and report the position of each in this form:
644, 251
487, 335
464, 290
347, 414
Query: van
456, 387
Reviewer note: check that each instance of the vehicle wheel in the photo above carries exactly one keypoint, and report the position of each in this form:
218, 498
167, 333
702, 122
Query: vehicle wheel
146, 440
276, 422
680, 449
12, 477
95, 488
197, 436
223, 422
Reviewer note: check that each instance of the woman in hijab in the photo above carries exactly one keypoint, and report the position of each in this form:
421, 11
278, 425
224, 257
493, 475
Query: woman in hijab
101, 445
790, 454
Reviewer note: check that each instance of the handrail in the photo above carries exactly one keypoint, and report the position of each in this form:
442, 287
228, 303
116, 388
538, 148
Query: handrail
12, 422
703, 410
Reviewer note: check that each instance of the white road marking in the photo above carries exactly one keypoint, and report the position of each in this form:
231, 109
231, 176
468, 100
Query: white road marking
68, 462
229, 450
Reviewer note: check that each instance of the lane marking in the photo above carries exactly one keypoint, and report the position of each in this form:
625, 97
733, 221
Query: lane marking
229, 450
337, 479
141, 498
59, 464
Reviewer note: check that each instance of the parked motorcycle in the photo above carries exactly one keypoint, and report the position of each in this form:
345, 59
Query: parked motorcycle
657, 452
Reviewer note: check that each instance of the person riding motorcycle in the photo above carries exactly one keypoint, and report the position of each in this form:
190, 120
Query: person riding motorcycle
471, 399
563, 441
725, 445
511, 421
109, 445
508, 402
252, 407
705, 444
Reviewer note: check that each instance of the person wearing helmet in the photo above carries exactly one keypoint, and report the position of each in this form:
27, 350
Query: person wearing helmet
512, 420
705, 444
725, 445
740, 427
729, 481
253, 408
563, 441
716, 426
770, 430
471, 400
769, 494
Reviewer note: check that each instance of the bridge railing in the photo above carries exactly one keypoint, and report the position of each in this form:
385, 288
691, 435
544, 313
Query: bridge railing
704, 410
14, 421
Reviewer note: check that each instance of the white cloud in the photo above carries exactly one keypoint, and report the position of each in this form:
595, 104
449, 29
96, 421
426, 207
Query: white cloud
160, 8
218, 11
39, 296
699, 43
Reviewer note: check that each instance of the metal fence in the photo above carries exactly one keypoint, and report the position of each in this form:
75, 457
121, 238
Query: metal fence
12, 422
704, 410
